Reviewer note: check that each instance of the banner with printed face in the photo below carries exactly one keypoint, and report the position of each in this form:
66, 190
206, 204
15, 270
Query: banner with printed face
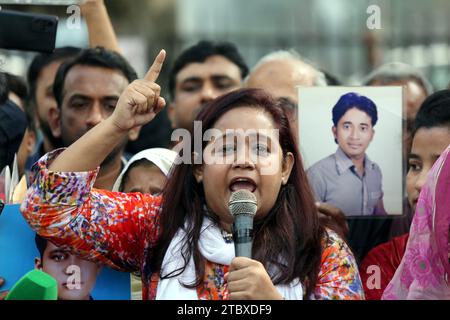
352, 140
78, 279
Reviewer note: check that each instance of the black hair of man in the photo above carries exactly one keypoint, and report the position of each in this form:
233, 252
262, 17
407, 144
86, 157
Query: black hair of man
354, 100
41, 61
202, 51
17, 85
93, 57
434, 111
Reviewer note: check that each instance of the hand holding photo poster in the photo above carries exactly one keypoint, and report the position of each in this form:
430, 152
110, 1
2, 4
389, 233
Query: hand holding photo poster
351, 143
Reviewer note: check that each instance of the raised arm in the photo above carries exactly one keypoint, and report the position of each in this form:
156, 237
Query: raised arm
100, 28
137, 105
107, 227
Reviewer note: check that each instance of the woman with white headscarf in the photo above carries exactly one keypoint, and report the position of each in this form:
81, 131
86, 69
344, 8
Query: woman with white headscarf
146, 171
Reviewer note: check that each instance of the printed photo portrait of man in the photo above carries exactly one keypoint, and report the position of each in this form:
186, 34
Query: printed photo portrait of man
349, 179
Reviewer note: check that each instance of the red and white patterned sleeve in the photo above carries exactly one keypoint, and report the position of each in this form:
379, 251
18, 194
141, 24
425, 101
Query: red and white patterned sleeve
106, 227
338, 278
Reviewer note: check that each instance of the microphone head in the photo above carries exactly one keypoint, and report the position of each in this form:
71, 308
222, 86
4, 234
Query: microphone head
242, 202
35, 285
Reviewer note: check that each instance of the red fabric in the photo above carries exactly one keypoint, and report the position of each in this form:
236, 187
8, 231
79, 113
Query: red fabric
387, 258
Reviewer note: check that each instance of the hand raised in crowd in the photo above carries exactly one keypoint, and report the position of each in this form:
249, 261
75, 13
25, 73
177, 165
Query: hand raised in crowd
99, 25
91, 6
90, 3
140, 101
249, 280
137, 105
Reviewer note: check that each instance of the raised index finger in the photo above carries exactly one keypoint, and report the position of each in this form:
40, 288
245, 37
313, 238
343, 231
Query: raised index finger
155, 69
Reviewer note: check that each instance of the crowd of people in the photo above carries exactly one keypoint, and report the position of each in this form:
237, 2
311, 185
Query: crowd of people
167, 221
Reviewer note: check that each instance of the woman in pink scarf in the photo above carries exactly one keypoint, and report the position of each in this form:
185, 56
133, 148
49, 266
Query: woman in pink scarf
424, 272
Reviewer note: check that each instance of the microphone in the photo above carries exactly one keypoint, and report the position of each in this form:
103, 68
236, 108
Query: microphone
35, 285
242, 206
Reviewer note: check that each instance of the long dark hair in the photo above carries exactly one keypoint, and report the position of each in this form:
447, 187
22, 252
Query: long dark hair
290, 231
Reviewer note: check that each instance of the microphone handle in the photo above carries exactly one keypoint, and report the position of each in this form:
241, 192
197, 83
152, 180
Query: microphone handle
243, 235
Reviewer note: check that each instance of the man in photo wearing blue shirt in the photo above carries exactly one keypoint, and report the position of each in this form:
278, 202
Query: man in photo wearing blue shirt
348, 179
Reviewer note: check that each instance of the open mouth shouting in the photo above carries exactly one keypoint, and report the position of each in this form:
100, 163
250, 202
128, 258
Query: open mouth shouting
239, 183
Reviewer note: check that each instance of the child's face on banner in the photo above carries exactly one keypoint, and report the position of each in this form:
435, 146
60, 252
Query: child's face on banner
76, 277
354, 132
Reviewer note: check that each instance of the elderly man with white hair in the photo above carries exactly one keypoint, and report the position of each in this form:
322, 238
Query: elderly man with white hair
417, 87
280, 72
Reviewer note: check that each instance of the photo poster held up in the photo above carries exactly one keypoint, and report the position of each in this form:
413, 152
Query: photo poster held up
317, 141
18, 252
